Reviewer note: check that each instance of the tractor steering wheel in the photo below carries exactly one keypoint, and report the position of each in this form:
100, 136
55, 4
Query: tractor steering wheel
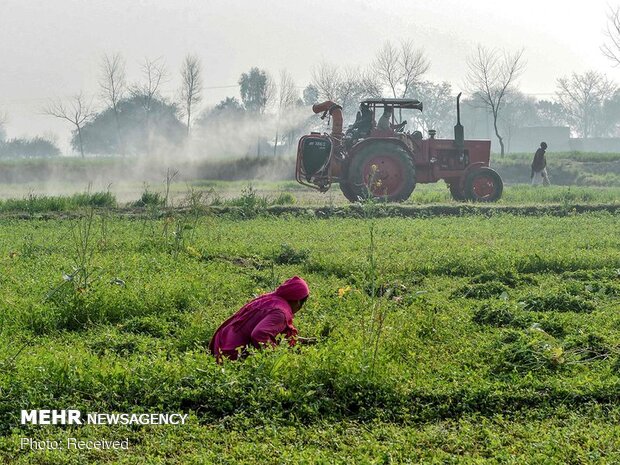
400, 127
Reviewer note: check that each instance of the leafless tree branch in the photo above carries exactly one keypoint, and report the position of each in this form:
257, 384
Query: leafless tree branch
612, 48
582, 97
113, 86
327, 79
191, 86
77, 112
491, 75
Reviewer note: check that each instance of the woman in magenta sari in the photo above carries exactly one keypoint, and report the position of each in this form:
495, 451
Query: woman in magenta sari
259, 321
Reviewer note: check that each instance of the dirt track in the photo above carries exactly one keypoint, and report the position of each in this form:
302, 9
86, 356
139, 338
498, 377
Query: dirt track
347, 211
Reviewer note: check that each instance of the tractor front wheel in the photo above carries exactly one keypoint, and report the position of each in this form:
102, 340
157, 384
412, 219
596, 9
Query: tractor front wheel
381, 171
483, 185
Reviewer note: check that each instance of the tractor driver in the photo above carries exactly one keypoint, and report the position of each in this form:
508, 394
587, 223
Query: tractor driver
385, 120
363, 121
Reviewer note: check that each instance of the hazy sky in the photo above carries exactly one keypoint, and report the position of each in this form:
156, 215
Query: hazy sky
53, 48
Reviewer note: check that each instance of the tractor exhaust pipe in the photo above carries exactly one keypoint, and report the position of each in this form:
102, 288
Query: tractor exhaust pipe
335, 111
459, 133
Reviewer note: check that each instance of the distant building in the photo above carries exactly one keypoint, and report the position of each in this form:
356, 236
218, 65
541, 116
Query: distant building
559, 140
595, 144
528, 139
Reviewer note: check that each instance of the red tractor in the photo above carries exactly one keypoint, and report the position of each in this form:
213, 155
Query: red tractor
381, 161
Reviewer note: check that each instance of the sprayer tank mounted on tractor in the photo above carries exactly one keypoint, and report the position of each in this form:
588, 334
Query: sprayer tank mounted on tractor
383, 162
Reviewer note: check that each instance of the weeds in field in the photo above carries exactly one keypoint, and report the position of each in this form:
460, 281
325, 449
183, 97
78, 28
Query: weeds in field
82, 234
284, 198
250, 203
139, 346
379, 306
29, 248
34, 203
527, 351
170, 175
149, 198
495, 315
481, 291
558, 302
71, 295
290, 256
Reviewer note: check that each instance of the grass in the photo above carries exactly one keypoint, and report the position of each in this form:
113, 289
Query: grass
34, 203
256, 198
499, 340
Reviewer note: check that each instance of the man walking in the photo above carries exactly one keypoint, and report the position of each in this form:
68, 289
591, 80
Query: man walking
539, 167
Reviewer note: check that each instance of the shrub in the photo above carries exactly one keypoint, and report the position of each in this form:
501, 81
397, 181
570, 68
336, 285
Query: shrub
149, 198
96, 199
28, 148
250, 203
284, 198
507, 277
481, 291
589, 347
529, 350
495, 315
289, 256
560, 302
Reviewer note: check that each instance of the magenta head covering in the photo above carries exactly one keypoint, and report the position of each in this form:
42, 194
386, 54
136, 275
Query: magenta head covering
293, 289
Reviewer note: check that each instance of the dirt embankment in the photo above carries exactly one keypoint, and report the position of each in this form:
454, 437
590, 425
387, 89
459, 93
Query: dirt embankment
347, 211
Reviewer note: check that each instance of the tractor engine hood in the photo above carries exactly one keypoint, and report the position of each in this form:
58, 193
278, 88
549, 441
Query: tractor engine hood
335, 112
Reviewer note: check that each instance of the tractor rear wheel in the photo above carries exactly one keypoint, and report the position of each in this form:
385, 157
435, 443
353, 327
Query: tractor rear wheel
457, 193
483, 185
383, 171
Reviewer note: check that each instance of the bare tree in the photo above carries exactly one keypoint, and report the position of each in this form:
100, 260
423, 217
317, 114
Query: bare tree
327, 79
399, 67
491, 76
345, 87
582, 97
286, 97
191, 86
414, 64
77, 112
154, 74
370, 86
113, 85
350, 91
611, 49
387, 67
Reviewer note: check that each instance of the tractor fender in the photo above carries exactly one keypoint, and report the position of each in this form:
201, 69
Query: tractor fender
469, 169
475, 166
378, 140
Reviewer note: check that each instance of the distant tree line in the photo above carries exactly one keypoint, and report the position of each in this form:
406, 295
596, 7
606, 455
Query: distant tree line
25, 147
36, 147
270, 113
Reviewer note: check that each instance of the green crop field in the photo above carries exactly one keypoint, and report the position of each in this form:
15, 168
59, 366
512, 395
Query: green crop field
459, 339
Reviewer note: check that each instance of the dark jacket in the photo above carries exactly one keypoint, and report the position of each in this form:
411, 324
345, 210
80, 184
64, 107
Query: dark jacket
540, 162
